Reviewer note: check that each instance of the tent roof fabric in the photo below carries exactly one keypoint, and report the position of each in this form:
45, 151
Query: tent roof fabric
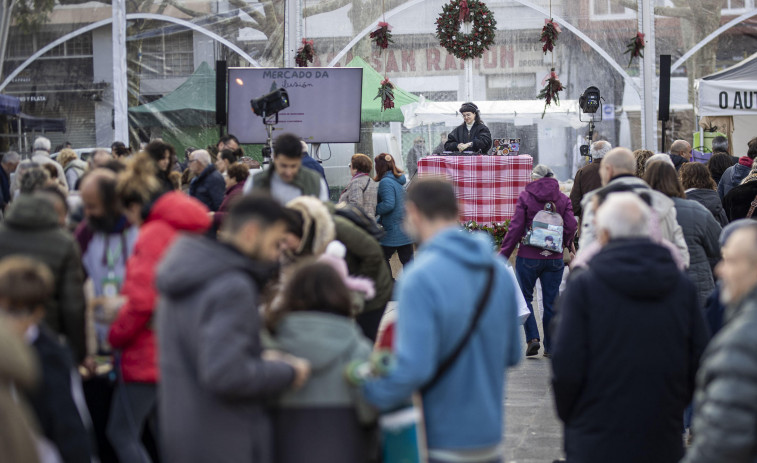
371, 107
521, 112
9, 105
744, 70
39, 124
193, 103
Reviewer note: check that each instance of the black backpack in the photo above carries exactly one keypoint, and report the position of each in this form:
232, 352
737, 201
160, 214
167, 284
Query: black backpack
357, 216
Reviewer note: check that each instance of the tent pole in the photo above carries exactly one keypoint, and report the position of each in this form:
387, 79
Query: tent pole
120, 69
648, 75
292, 31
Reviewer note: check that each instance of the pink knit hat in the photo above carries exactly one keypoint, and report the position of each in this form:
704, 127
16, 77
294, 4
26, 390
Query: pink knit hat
334, 256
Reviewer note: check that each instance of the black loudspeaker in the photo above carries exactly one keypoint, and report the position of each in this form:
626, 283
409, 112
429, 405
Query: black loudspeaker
221, 92
663, 113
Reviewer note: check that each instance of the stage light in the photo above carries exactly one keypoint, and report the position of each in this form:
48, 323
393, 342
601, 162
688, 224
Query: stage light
270, 104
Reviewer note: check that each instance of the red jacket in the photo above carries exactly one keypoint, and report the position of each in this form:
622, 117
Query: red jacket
132, 332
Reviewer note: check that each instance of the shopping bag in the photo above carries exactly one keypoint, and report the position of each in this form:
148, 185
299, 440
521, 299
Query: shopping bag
403, 434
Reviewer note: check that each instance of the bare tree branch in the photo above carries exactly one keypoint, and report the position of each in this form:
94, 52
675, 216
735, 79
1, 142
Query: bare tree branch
251, 11
683, 12
324, 7
674, 12
186, 11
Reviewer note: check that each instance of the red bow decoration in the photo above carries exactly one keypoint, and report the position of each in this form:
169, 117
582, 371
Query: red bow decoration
305, 54
549, 34
550, 91
635, 47
464, 11
386, 93
382, 36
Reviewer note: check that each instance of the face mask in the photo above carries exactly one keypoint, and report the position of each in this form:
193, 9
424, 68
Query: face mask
103, 224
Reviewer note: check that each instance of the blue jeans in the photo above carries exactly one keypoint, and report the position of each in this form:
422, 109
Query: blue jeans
549, 272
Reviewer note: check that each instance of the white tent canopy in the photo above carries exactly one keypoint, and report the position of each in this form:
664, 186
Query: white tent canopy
731, 92
520, 112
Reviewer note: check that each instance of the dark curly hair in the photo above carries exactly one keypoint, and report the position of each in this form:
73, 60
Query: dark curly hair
696, 175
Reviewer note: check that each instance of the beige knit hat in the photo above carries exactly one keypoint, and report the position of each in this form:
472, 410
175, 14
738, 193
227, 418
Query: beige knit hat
541, 171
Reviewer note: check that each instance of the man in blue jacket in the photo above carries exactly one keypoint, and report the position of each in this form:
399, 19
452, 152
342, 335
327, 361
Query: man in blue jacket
208, 186
438, 293
311, 163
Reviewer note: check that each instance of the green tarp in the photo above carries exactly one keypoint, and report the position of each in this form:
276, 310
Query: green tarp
371, 107
193, 103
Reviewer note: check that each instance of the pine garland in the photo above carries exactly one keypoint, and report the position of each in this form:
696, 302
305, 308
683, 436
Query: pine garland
382, 36
549, 34
305, 54
635, 47
386, 93
551, 90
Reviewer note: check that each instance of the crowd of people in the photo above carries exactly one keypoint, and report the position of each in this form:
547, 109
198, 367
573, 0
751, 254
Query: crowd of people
210, 309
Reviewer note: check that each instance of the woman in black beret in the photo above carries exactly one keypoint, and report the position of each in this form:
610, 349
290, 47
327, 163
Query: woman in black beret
472, 135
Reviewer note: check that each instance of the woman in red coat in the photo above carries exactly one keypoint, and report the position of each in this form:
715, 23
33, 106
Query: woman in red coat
160, 217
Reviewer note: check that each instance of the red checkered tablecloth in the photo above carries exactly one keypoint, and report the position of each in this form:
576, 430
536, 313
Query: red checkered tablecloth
487, 187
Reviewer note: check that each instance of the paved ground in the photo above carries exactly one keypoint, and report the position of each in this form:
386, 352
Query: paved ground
533, 432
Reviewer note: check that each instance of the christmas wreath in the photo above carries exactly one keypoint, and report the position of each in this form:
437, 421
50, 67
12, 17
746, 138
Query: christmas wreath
472, 44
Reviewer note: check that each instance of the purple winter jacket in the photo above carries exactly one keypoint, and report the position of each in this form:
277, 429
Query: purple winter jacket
531, 201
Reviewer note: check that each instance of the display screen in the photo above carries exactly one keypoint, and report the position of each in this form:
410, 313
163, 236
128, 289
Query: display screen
324, 103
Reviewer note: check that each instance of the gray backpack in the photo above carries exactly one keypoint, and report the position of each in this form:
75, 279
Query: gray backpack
546, 230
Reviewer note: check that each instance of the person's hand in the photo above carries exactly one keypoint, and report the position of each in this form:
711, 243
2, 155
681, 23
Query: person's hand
461, 146
301, 371
110, 307
88, 367
301, 366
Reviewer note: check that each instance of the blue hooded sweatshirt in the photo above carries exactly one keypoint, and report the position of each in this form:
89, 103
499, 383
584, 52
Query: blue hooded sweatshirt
438, 293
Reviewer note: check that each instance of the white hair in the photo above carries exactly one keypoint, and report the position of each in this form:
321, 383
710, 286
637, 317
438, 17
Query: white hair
41, 144
201, 156
599, 149
657, 158
623, 215
11, 157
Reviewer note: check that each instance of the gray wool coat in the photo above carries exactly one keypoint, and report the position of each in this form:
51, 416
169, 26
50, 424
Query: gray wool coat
701, 232
323, 421
362, 192
213, 383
